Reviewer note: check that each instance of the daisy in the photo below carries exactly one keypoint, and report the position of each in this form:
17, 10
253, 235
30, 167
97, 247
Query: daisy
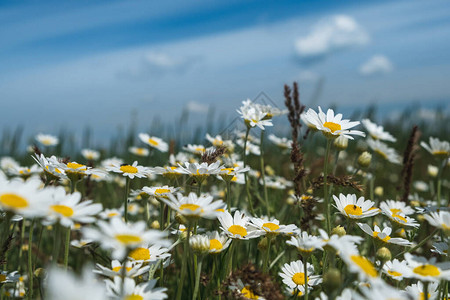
25, 172
300, 290
283, 143
110, 213
440, 248
331, 125
90, 154
159, 191
7, 163
359, 264
377, 132
383, 235
110, 162
68, 209
195, 149
384, 151
379, 290
199, 244
132, 269
293, 274
47, 139
272, 227
219, 141
244, 291
8, 277
194, 207
76, 171
427, 270
119, 236
416, 291
440, 220
395, 269
352, 208
253, 116
230, 174
130, 171
437, 147
200, 171
127, 289
306, 243
80, 243
169, 172
340, 243
397, 207
217, 242
50, 165
399, 218
139, 151
237, 227
149, 254
154, 142
250, 147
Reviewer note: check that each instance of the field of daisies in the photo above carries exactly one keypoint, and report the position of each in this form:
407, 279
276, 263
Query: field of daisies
337, 208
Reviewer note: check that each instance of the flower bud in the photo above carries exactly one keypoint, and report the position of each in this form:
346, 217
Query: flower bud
155, 225
332, 280
263, 244
433, 171
180, 219
339, 230
379, 191
364, 159
199, 244
341, 143
383, 254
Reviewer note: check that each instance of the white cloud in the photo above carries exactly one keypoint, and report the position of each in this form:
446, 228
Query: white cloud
377, 64
331, 34
197, 107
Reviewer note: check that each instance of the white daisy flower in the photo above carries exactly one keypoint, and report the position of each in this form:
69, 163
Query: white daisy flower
383, 235
8, 277
130, 171
440, 220
110, 162
272, 226
384, 151
359, 264
354, 208
76, 171
217, 242
230, 174
340, 243
149, 254
440, 248
283, 142
300, 290
399, 218
160, 191
237, 227
293, 274
426, 270
306, 243
253, 116
416, 291
169, 172
154, 142
200, 171
127, 289
219, 141
379, 290
195, 149
80, 243
132, 269
397, 207
193, 206
331, 125
110, 213
377, 132
244, 291
47, 139
119, 236
50, 165
139, 151
395, 269
7, 163
90, 154
250, 147
437, 147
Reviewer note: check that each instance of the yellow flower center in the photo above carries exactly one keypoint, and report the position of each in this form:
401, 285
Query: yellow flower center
2, 277
422, 296
365, 265
270, 226
220, 210
134, 297
399, 217
427, 270
199, 149
13, 201
332, 126
112, 214
248, 293
128, 238
299, 278
215, 244
73, 165
238, 229
381, 153
395, 211
353, 209
386, 239
394, 273
189, 206
128, 169
140, 151
229, 170
140, 254
118, 268
440, 153
64, 210
162, 191
153, 142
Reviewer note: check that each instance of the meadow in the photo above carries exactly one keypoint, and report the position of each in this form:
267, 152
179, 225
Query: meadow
336, 207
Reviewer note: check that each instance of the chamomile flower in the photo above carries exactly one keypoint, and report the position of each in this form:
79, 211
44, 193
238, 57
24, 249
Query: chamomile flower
427, 270
244, 291
154, 142
395, 269
195, 149
119, 236
80, 243
379, 290
377, 132
331, 125
47, 139
250, 147
217, 242
132, 269
194, 207
437, 147
306, 243
383, 236
169, 172
283, 143
159, 191
440, 248
237, 227
7, 163
110, 213
219, 141
127, 289
8, 277
357, 263
440, 219
230, 174
200, 171
149, 254
340, 243
300, 290
25, 172
68, 209
130, 171
397, 207
384, 151
272, 227
90, 154
354, 208
293, 274
76, 171
253, 116
50, 165
110, 162
417, 291
139, 151
399, 218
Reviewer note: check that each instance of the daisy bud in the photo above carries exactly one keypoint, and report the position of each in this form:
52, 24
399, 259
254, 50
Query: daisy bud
364, 159
290, 201
155, 225
199, 244
341, 143
433, 171
269, 170
263, 244
40, 273
332, 280
379, 191
339, 230
180, 219
383, 254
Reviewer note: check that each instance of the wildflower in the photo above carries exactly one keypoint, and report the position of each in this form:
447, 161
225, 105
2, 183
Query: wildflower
250, 147
47, 139
149, 254
8, 277
384, 151
51, 166
110, 162
438, 148
199, 244
395, 269
383, 235
396, 207
331, 125
168, 172
154, 142
358, 264
128, 290
110, 213
426, 270
194, 207
293, 274
195, 149
76, 171
237, 227
416, 291
230, 174
283, 143
440, 220
200, 171
245, 291
379, 290
306, 243
355, 209
217, 242
399, 218
377, 132
254, 116
132, 269
90, 154
139, 151
130, 171
159, 191
339, 243
341, 143
364, 159
272, 227
219, 141
440, 248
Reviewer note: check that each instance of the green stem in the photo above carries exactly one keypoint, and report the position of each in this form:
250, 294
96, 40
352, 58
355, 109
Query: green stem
125, 201
325, 186
263, 172
247, 188
56, 244
419, 244
266, 257
161, 212
30, 261
197, 278
66, 248
425, 290
22, 236
305, 270
229, 196
183, 264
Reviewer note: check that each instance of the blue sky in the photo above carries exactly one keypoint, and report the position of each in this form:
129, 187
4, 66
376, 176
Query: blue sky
78, 63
